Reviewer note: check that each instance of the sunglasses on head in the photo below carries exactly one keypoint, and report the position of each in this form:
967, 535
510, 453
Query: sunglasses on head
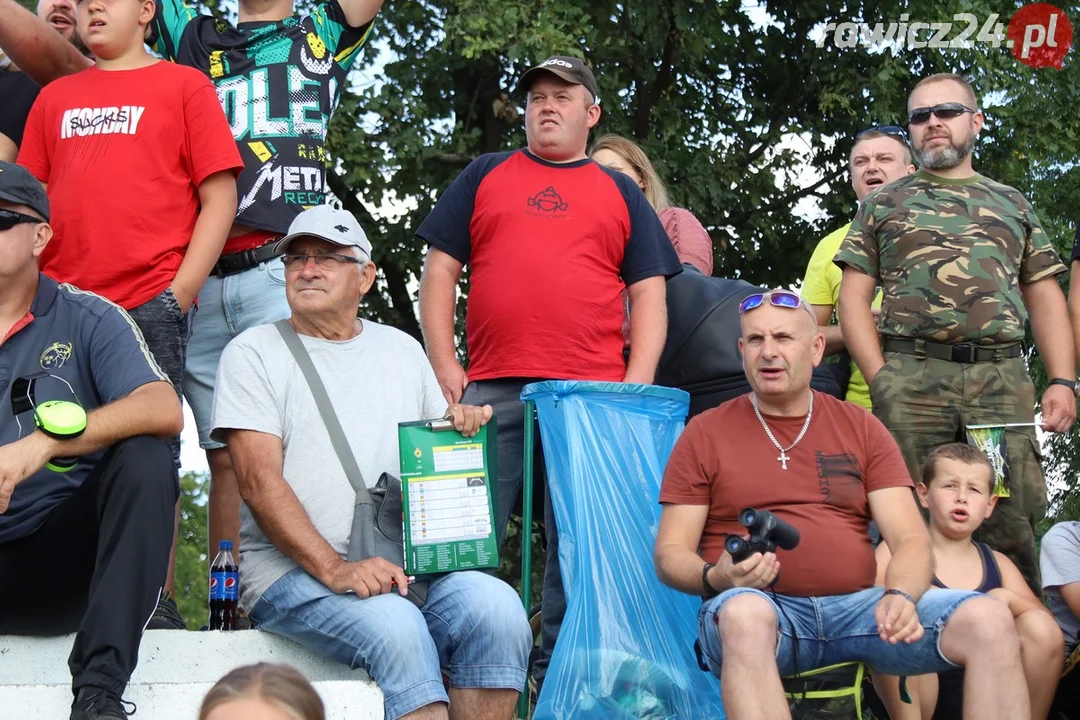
944, 111
778, 298
892, 130
10, 218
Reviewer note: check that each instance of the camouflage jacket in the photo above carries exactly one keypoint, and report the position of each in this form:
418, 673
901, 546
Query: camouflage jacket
950, 256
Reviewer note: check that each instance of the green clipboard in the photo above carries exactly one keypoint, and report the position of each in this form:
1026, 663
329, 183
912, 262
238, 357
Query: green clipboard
448, 486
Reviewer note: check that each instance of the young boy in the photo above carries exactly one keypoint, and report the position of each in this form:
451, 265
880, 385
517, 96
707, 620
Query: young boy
140, 167
956, 488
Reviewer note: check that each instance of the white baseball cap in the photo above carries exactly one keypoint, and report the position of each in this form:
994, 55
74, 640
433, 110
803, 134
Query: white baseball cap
330, 224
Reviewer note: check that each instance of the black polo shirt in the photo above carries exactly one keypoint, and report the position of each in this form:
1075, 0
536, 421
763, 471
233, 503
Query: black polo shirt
18, 92
93, 345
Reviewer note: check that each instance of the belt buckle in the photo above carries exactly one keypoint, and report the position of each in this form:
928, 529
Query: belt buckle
965, 353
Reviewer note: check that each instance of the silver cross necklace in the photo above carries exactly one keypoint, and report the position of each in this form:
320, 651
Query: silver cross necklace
784, 457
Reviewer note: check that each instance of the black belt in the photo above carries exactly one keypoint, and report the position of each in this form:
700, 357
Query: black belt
958, 353
245, 260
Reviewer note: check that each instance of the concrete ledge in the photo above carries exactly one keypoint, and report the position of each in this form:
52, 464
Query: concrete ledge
176, 669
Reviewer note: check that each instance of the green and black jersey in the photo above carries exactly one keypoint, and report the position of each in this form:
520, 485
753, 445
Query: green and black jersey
278, 83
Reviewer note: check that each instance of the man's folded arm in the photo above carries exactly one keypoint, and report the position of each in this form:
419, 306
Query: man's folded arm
258, 459
150, 409
677, 563
38, 50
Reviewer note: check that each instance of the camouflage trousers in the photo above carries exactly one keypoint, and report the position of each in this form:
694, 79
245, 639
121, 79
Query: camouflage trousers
926, 402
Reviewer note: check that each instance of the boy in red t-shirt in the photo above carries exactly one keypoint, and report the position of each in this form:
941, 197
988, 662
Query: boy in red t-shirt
140, 168
957, 489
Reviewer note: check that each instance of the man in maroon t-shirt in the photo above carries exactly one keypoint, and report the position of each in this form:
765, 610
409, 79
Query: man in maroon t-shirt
827, 468
552, 240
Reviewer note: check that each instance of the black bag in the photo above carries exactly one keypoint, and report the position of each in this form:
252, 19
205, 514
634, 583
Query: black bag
701, 354
841, 370
376, 526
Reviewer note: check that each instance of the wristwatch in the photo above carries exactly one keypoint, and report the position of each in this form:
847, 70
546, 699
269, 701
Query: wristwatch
1071, 384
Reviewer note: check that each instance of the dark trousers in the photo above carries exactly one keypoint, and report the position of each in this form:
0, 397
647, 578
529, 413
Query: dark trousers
504, 396
97, 563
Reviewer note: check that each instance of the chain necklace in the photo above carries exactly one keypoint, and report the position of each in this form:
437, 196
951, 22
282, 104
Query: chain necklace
784, 457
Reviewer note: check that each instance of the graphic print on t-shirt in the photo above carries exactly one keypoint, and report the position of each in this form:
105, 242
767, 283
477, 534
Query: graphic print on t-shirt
278, 83
549, 203
80, 122
839, 479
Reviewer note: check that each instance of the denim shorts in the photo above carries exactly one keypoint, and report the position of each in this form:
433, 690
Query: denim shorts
227, 307
472, 624
167, 331
841, 628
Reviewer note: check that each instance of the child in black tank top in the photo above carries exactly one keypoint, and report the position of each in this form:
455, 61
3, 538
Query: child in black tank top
956, 490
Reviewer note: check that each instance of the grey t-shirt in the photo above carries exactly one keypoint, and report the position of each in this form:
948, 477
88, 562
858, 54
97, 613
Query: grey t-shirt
375, 380
1059, 561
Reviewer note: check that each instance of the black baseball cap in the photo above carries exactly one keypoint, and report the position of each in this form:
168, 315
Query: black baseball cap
571, 69
18, 186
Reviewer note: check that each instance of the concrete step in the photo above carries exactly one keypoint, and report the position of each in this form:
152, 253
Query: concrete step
176, 669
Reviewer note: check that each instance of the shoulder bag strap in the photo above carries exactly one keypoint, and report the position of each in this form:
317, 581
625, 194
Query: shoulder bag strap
326, 409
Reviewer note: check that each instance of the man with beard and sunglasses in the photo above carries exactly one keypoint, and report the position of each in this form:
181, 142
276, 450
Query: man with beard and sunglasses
827, 468
879, 156
963, 261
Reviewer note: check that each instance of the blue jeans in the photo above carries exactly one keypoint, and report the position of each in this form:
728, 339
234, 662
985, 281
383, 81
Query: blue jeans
841, 628
504, 396
472, 623
227, 307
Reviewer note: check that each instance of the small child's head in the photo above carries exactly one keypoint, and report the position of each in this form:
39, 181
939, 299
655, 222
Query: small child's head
264, 691
957, 488
112, 28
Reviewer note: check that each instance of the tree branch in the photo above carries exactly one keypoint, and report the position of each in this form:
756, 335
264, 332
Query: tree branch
396, 279
665, 78
459, 159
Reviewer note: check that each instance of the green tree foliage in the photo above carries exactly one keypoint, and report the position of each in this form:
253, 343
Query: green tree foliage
747, 119
728, 108
192, 567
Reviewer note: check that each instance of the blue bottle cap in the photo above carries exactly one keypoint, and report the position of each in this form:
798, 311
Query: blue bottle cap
225, 545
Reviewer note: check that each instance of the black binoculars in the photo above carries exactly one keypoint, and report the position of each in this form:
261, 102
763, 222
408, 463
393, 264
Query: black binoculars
767, 532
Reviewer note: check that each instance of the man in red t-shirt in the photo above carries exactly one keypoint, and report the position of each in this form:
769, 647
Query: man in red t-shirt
827, 468
552, 240
140, 168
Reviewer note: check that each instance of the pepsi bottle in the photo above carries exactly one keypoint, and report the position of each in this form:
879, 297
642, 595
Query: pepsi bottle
224, 588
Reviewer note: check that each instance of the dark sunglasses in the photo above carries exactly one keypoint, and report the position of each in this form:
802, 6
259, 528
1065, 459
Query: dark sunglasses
778, 298
944, 111
10, 218
892, 130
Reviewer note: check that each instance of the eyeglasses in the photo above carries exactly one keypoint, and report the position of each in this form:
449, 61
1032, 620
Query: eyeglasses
944, 111
10, 218
777, 298
892, 130
297, 261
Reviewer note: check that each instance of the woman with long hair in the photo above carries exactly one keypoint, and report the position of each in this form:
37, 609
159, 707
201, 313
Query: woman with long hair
692, 243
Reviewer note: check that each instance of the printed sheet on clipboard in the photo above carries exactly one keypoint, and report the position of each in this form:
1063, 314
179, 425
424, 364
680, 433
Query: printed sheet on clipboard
448, 497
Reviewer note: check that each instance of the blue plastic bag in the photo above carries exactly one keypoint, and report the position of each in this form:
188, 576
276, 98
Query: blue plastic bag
626, 645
